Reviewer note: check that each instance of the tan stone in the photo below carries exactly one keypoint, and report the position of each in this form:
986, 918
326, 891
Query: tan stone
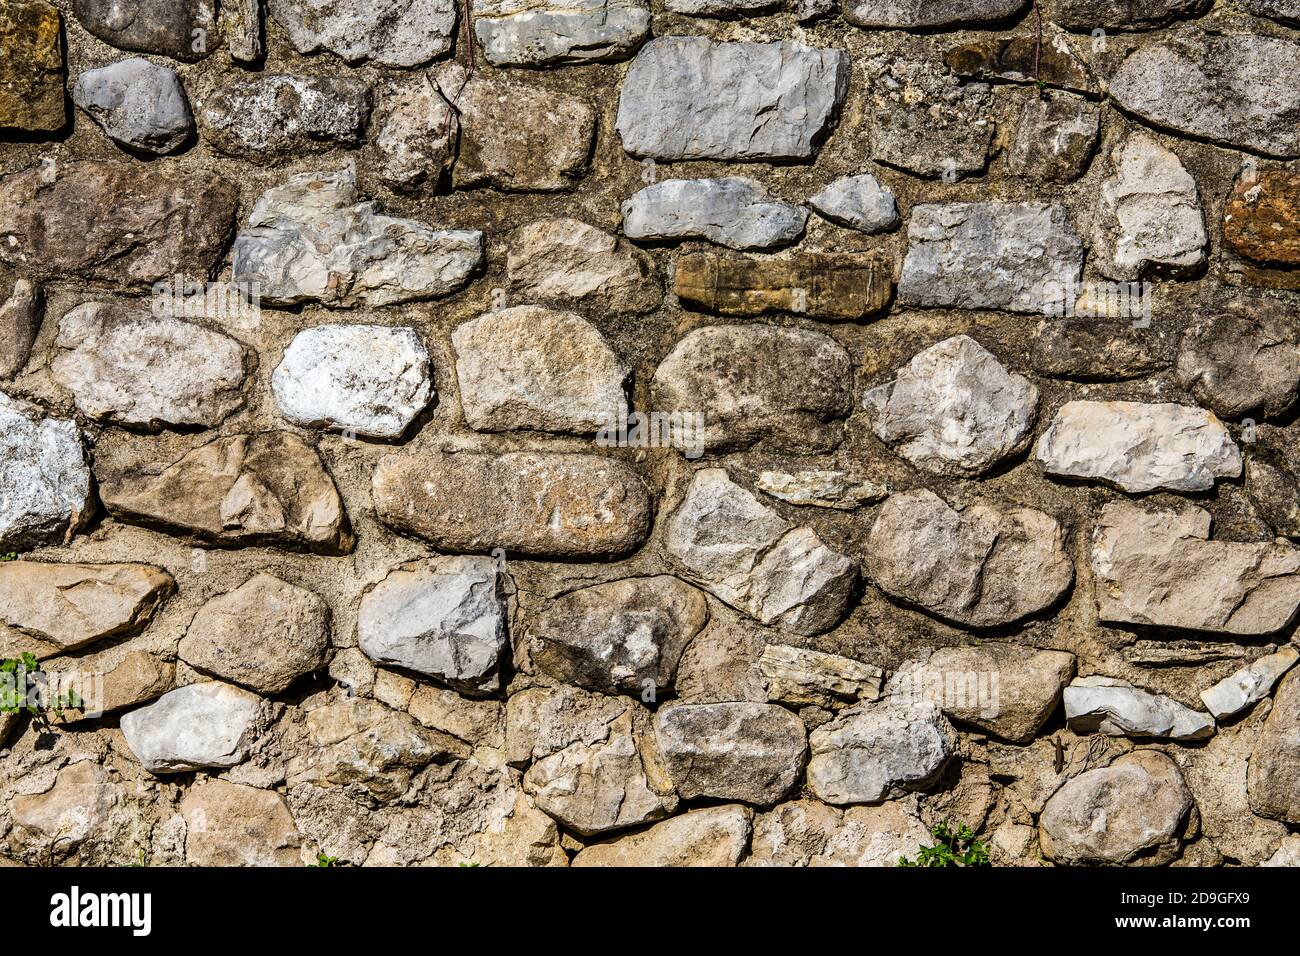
228, 824
832, 286
1274, 776
565, 262
715, 836
76, 809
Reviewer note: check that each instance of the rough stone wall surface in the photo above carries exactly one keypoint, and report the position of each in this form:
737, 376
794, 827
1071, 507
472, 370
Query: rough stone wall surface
966, 341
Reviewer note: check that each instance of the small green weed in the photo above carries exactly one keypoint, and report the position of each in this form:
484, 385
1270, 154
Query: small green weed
24, 687
324, 859
959, 848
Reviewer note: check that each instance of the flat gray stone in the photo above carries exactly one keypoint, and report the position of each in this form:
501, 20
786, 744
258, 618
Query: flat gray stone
1249, 685
924, 14
139, 104
280, 114
733, 212
181, 29
552, 32
859, 202
801, 677
194, 728
20, 320
388, 32
45, 490
1118, 709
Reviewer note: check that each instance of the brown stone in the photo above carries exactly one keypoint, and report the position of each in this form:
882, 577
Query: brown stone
1262, 218
1021, 59
269, 488
229, 824
137, 679
31, 68
1274, 775
833, 286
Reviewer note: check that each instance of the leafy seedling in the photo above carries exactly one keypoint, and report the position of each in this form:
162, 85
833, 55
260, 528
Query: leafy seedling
954, 848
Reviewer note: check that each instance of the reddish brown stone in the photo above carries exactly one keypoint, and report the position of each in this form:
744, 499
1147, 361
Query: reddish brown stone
31, 68
834, 286
1262, 218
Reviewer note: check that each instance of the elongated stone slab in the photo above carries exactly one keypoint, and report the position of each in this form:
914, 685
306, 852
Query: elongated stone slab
832, 286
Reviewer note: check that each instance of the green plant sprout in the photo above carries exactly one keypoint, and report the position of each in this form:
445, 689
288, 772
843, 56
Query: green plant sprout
24, 688
324, 859
958, 848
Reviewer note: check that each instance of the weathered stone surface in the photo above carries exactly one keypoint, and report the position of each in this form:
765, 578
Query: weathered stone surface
566, 262
1242, 362
1230, 89
445, 617
721, 664
622, 637
859, 202
369, 380
292, 636
308, 239
1149, 217
1274, 490
879, 751
1284, 11
1022, 59
1261, 220
1117, 708
413, 136
734, 212
820, 488
802, 677
45, 491
737, 377
954, 409
981, 566
268, 488
748, 556
193, 727
114, 222
547, 153
1274, 776
548, 32
722, 8
541, 721
1288, 854
1249, 685
242, 27
534, 368
736, 751
229, 824
540, 504
1054, 138
181, 29
988, 255
148, 372
1087, 15
692, 98
713, 836
1091, 348
1160, 568
807, 11
477, 722
387, 32
911, 15
20, 320
279, 114
71, 605
136, 679
1022, 686
830, 286
77, 810
139, 104
31, 71
1139, 446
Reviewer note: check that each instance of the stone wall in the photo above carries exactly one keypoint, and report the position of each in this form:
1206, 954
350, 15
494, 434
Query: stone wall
732, 432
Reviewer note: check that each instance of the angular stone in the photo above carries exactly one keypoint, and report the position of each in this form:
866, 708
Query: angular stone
181, 29
721, 8
733, 212
193, 727
136, 679
820, 488
76, 810
879, 751
369, 380
711, 837
533, 368
292, 636
1087, 15
388, 32
1090, 348
148, 223
1149, 217
244, 33
45, 493
1249, 685
622, 637
859, 202
31, 71
229, 824
545, 153
20, 320
1284, 11
737, 751
1274, 490
693, 98
553, 32
413, 136
279, 114
721, 664
477, 722
808, 833
1230, 89
541, 721
1023, 685
831, 286
1118, 709
988, 255
1022, 59
139, 104
1274, 776
954, 409
1142, 801
565, 262
748, 556
802, 678
911, 15
1244, 362
268, 488
1160, 568
1054, 138
445, 617
981, 566
1139, 446
135, 369
540, 504
807, 11
308, 239
1261, 220
1288, 854
737, 377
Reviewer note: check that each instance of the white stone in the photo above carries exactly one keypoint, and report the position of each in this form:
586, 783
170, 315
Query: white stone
860, 202
44, 480
194, 727
820, 488
1249, 685
1117, 708
547, 32
733, 212
389, 32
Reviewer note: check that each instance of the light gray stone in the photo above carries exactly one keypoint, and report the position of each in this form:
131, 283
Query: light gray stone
820, 488
20, 319
444, 617
802, 677
369, 380
1115, 707
45, 491
550, 32
733, 212
387, 32
860, 202
693, 98
722, 8
988, 255
1249, 685
195, 727
1139, 446
309, 240
413, 136
279, 114
751, 558
566, 262
541, 721
138, 104
1087, 15
1284, 11
925, 14
954, 409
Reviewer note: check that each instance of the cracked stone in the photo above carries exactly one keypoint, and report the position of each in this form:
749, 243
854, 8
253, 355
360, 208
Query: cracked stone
279, 114
45, 492
1118, 709
553, 32
398, 33
734, 212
